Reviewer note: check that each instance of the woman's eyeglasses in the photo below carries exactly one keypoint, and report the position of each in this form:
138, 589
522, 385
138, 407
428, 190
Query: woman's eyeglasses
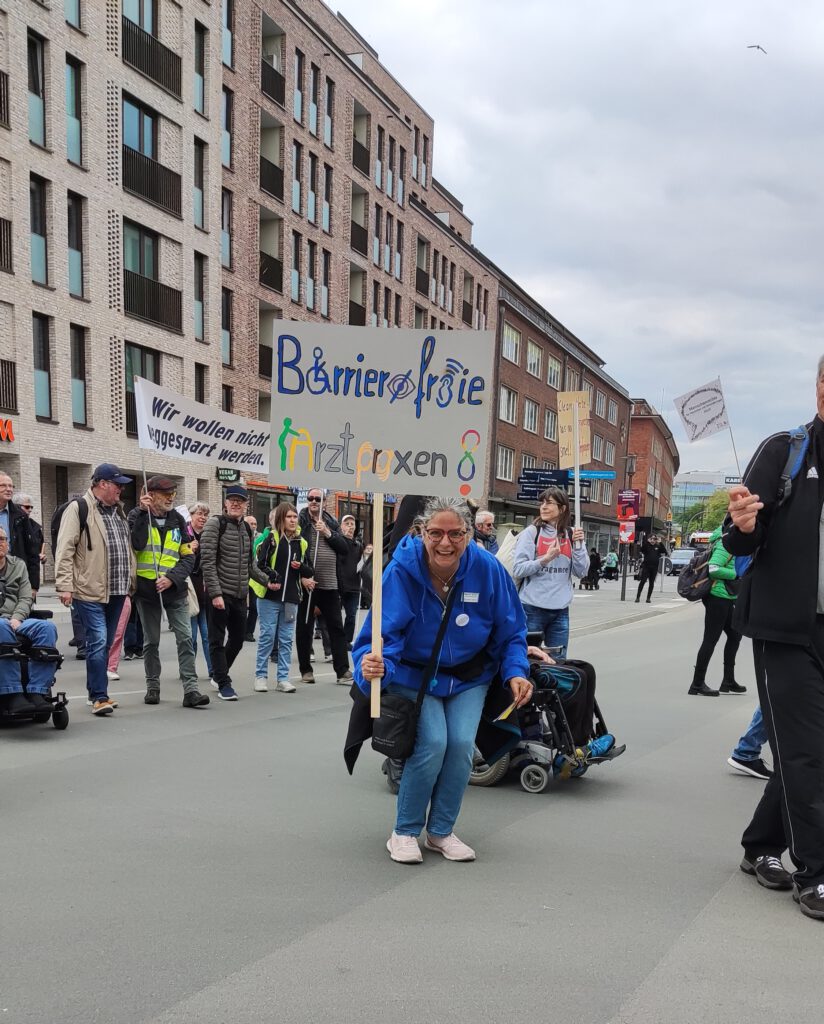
438, 535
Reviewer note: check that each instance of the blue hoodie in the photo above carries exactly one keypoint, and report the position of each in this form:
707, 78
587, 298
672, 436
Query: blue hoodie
486, 603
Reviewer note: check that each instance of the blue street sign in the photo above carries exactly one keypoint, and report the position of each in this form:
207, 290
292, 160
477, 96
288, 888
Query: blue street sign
546, 477
597, 474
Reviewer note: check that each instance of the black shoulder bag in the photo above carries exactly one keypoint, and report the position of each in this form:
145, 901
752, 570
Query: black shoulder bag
394, 733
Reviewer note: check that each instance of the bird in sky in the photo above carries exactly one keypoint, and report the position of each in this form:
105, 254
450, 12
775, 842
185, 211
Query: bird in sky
755, 46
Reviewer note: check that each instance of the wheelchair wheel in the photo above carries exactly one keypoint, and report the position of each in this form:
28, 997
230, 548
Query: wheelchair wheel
60, 718
488, 775
534, 778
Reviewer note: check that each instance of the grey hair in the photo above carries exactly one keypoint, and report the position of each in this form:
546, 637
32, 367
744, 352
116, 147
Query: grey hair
482, 514
199, 506
21, 498
457, 506
821, 367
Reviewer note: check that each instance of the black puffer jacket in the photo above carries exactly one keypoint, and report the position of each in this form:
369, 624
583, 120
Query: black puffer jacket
349, 581
226, 557
23, 543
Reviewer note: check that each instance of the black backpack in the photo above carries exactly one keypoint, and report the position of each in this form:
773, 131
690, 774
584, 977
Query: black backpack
694, 581
83, 515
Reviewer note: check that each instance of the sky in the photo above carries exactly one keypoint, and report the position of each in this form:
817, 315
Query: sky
652, 181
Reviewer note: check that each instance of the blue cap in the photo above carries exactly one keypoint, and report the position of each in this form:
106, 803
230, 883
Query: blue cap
108, 471
237, 491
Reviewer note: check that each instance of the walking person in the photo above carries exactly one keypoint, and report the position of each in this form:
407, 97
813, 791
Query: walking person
95, 571
652, 551
719, 606
116, 648
160, 538
25, 503
23, 543
746, 758
442, 584
547, 556
349, 579
776, 515
611, 565
282, 557
484, 535
226, 557
200, 513
321, 532
252, 615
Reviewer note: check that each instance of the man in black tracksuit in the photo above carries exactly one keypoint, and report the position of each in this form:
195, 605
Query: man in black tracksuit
781, 606
652, 551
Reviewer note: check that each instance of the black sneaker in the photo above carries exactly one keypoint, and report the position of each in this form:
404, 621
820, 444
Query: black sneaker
769, 872
39, 702
810, 900
756, 767
195, 699
249, 638
732, 687
702, 690
16, 704
152, 697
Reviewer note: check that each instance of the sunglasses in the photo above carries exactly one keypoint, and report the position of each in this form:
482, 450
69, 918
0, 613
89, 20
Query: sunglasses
28, 508
313, 499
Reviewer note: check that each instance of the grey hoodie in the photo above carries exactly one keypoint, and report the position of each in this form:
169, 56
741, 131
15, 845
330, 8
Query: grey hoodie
550, 585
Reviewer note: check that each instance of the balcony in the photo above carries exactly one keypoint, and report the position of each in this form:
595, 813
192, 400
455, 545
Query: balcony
357, 314
271, 178
265, 361
272, 83
4, 99
151, 58
467, 314
360, 156
149, 300
131, 414
270, 272
358, 238
421, 281
151, 181
6, 263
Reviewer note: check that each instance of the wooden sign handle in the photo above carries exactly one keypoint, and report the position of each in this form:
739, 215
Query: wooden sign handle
377, 596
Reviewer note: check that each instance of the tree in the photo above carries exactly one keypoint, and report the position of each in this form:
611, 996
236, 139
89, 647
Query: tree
716, 509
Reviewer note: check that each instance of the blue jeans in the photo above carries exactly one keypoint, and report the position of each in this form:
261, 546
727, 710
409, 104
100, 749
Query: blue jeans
437, 773
275, 630
552, 622
41, 633
750, 744
100, 622
201, 624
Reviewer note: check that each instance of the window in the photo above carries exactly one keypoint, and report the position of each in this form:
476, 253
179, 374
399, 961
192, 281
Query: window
528, 462
201, 383
311, 270
140, 248
600, 404
199, 292
398, 311
75, 218
226, 327
504, 463
399, 253
226, 228
227, 398
142, 13
226, 121
329, 112
587, 387
507, 404
201, 49
327, 198
424, 160
389, 239
228, 33
401, 174
379, 159
139, 127
314, 90
594, 494
264, 410
551, 425
387, 307
531, 415
553, 372
415, 150
311, 197
77, 343
324, 288
390, 168
37, 88
609, 455
39, 240
573, 380
511, 344
199, 183
548, 464
606, 492
300, 61
296, 246
612, 415
376, 303
42, 366
71, 11
74, 142
597, 447
534, 356
297, 172
376, 237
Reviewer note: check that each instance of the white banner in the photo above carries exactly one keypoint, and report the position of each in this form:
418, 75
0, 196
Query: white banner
170, 424
359, 408
703, 411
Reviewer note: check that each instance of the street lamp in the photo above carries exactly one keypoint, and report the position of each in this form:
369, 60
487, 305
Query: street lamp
629, 469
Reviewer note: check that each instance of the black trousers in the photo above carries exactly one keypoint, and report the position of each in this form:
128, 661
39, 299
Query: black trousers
227, 631
328, 601
646, 575
717, 620
790, 814
252, 616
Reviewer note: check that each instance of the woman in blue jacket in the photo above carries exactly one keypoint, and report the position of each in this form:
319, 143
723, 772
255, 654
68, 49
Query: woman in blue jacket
485, 640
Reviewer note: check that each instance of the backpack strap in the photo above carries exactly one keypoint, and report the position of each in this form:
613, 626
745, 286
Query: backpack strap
799, 443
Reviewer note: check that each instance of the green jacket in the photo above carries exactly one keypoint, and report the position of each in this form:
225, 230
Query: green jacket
722, 569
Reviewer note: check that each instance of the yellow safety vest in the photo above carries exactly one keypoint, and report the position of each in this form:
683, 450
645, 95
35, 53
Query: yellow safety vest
259, 588
156, 558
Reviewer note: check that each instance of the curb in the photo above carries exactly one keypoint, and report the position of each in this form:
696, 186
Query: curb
600, 627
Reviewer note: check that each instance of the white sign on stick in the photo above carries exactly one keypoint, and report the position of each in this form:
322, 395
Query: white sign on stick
371, 409
703, 411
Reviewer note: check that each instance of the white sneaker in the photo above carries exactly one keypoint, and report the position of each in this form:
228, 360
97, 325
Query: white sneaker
284, 686
112, 676
214, 684
312, 656
261, 686
450, 846
404, 849
327, 658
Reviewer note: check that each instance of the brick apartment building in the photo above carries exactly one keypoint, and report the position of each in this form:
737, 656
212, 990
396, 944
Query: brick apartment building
657, 462
536, 358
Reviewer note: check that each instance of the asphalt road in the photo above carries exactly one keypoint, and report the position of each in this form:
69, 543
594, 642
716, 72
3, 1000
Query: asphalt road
219, 865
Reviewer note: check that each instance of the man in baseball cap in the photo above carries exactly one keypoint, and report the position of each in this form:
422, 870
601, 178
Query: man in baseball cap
111, 473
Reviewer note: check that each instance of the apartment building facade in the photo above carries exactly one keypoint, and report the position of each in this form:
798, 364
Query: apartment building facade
657, 461
536, 358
